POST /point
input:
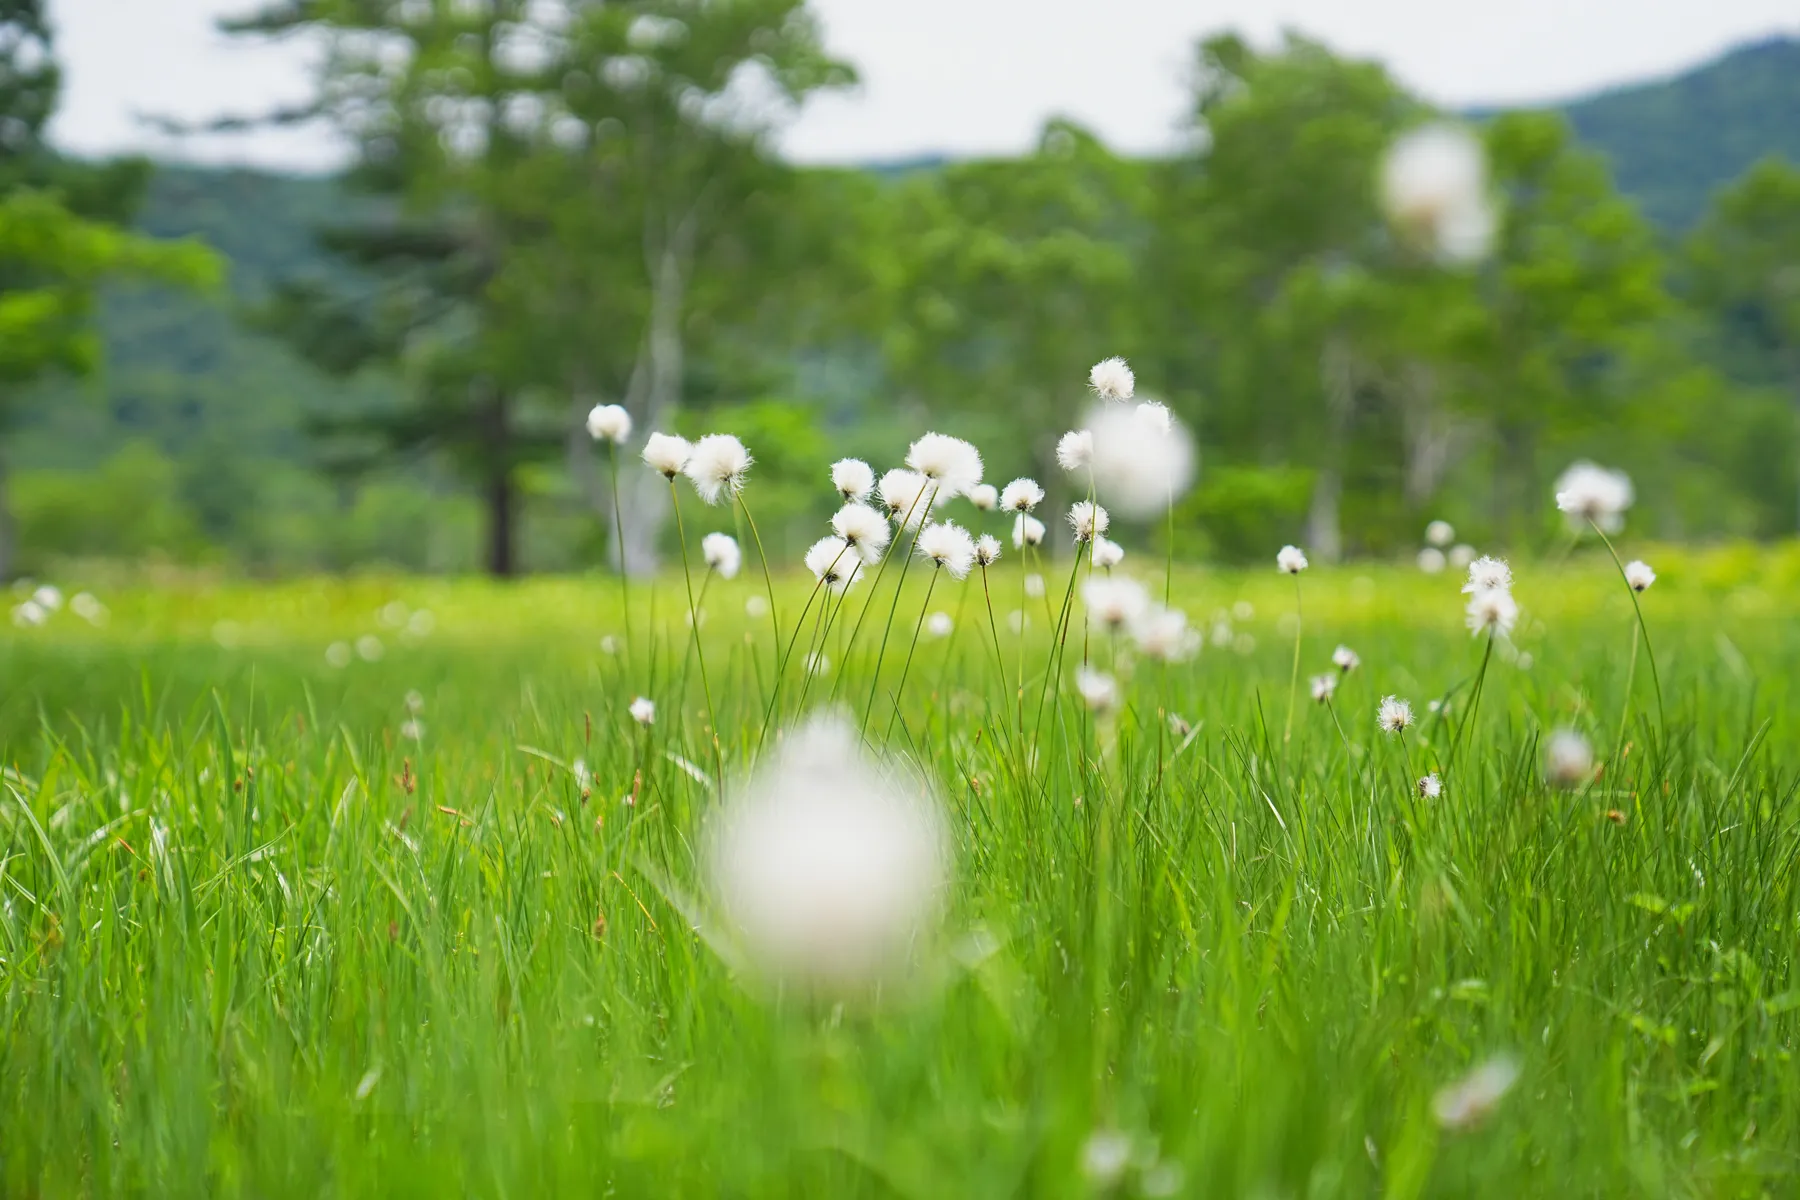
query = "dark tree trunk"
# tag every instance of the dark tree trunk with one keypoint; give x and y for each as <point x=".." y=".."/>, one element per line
<point x="502" y="495"/>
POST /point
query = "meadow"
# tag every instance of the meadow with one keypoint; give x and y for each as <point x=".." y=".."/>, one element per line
<point x="305" y="893"/>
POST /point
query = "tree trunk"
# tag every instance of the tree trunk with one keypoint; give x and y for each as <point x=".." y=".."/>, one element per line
<point x="1431" y="435"/>
<point x="1324" y="519"/>
<point x="502" y="494"/>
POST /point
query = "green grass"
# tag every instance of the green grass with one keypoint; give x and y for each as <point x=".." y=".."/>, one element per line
<point x="257" y="942"/>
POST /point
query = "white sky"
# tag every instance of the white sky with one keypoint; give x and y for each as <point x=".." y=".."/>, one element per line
<point x="955" y="76"/>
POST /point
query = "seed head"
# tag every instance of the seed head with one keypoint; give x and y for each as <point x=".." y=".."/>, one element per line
<point x="643" y="711"/>
<point x="609" y="423"/>
<point x="718" y="467"/>
<point x="1088" y="520"/>
<point x="1492" y="609"/>
<point x="722" y="554"/>
<point x="1489" y="575"/>
<point x="949" y="546"/>
<point x="984" y="497"/>
<point x="987" y="550"/>
<point x="1345" y="659"/>
<point x="834" y="563"/>
<point x="853" y="479"/>
<point x="949" y="462"/>
<point x="866" y="530"/>
<point x="1431" y="787"/>
<point x="1639" y="575"/>
<point x="1291" y="559"/>
<point x="1107" y="554"/>
<point x="1021" y="496"/>
<point x="1027" y="531"/>
<point x="1590" y="493"/>
<point x="1324" y="687"/>
<point x="1075" y="450"/>
<point x="1440" y="534"/>
<point x="1111" y="379"/>
<point x="1394" y="715"/>
<point x="1098" y="690"/>
<point x="667" y="454"/>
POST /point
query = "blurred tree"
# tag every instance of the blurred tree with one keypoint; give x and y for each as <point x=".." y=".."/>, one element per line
<point x="56" y="243"/>
<point x="1745" y="263"/>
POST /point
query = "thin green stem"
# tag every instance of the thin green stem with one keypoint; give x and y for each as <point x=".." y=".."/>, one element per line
<point x="906" y="666"/>
<point x="687" y="574"/>
<point x="1474" y="705"/>
<point x="1287" y="731"/>
<point x="612" y="462"/>
<point x="1662" y="718"/>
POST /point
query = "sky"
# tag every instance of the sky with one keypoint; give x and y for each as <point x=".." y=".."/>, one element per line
<point x="958" y="77"/>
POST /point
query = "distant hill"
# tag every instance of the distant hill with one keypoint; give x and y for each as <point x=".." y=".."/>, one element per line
<point x="1673" y="142"/>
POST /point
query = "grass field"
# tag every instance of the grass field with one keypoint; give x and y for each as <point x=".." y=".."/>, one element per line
<point x="259" y="939"/>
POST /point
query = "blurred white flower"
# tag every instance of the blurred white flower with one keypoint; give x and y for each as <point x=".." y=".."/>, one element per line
<point x="1461" y="555"/>
<point x="1431" y="787"/>
<point x="1162" y="634"/>
<point x="1034" y="585"/>
<point x="1243" y="610"/>
<point x="412" y="730"/>
<point x="987" y="550"/>
<point x="1345" y="659"/>
<point x="609" y="423"/>
<point x="85" y="606"/>
<point x="28" y="613"/>
<point x="853" y="478"/>
<point x="609" y="645"/>
<point x="1107" y="553"/>
<point x="1324" y="687"/>
<point x="1440" y="534"/>
<point x="720" y="550"/>
<point x="415" y="701"/>
<point x="939" y="624"/>
<point x="1021" y="496"/>
<point x="718" y="467"/>
<point x="643" y="711"/>
<point x="1075" y="450"/>
<point x="1114" y="602"/>
<point x="369" y="648"/>
<point x="1473" y="1098"/>
<point x="1141" y="462"/>
<point x="866" y="530"/>
<point x="817" y="664"/>
<point x="1492" y="609"/>
<point x="1568" y="759"/>
<point x="1111" y="379"/>
<point x="421" y="623"/>
<point x="755" y="607"/>
<point x="949" y="462"/>
<point x="1394" y="715"/>
<point x="49" y="597"/>
<point x="1431" y="560"/>
<point x="984" y="497"/>
<point x="1027" y="531"/>
<point x="830" y="864"/>
<point x="1098" y="690"/>
<point x="338" y="655"/>
<point x="667" y="454"/>
<point x="949" y="546"/>
<point x="1639" y="575"/>
<point x="834" y="563"/>
<point x="1104" y="1157"/>
<point x="1088" y="520"/>
<point x="1591" y="493"/>
<point x="1489" y="575"/>
<point x="1434" y="188"/>
<point x="1291" y="559"/>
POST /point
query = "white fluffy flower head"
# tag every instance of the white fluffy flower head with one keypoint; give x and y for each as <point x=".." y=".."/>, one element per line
<point x="1592" y="493"/>
<point x="853" y="478"/>
<point x="949" y="462"/>
<point x="908" y="496"/>
<point x="1394" y="715"/>
<point x="1291" y="559"/>
<point x="1472" y="1099"/>
<point x="939" y="624"/>
<point x="1492" y="610"/>
<point x="866" y="530"/>
<point x="667" y="454"/>
<point x="1021" y="496"/>
<point x="949" y="546"/>
<point x="1324" y="687"/>
<point x="829" y="864"/>
<point x="1107" y="553"/>
<point x="1489" y="575"/>
<point x="1431" y="787"/>
<point x="834" y="563"/>
<point x="1162" y="634"/>
<point x="1027" y="531"/>
<point x="1114" y="603"/>
<point x="1075" y="450"/>
<point x="1142" y="459"/>
<point x="1568" y="759"/>
<point x="987" y="550"/>
<point x="1111" y="379"/>
<point x="1098" y="690"/>
<point x="1440" y="534"/>
<point x="718" y="467"/>
<point x="1639" y="575"/>
<point x="1088" y="520"/>
<point x="643" y="710"/>
<point x="722" y="554"/>
<point x="609" y="423"/>
<point x="985" y="497"/>
<point x="1431" y="560"/>
<point x="1345" y="659"/>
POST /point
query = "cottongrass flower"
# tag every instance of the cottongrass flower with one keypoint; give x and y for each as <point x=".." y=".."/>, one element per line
<point x="1088" y="520"/>
<point x="1431" y="560"/>
<point x="834" y="563"/>
<point x="987" y="550"/>
<point x="1034" y="585"/>
<point x="829" y="864"/>
<point x="1021" y="496"/>
<point x="29" y="613"/>
<point x="1461" y="555"/>
<point x="1492" y="610"/>
<point x="720" y="550"/>
<point x="1111" y="379"/>
<point x="1434" y="189"/>
<point x="1440" y="534"/>
<point x="1431" y="787"/>
<point x="866" y="531"/>
<point x="667" y="454"/>
<point x="338" y="655"/>
<point x="939" y="624"/>
<point x="643" y="710"/>
<point x="609" y="423"/>
<point x="1114" y="603"/>
<point x="1291" y="559"/>
<point x="1075" y="450"/>
<point x="1568" y="759"/>
<point x="908" y="496"/>
<point x="1107" y="553"/>
<point x="949" y="546"/>
<point x="415" y="701"/>
<point x="949" y="462"/>
<point x="984" y="497"/>
<point x="49" y="597"/>
<point x="89" y="609"/>
<point x="1140" y="462"/>
<point x="1105" y="1157"/>
<point x="1162" y="635"/>
<point x="718" y="467"/>
<point x="369" y="648"/>
<point x="1593" y="493"/>
<point x="1639" y="575"/>
<point x="1345" y="659"/>
<point x="1472" y="1099"/>
<point x="853" y="478"/>
<point x="1324" y="687"/>
<point x="1489" y="575"/>
<point x="755" y="607"/>
<point x="1098" y="690"/>
<point x="1027" y="531"/>
<point x="1395" y="715"/>
<point x="413" y="730"/>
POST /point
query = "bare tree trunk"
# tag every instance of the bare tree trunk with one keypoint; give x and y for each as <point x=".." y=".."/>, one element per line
<point x="502" y="493"/>
<point x="1431" y="434"/>
<point x="1324" y="520"/>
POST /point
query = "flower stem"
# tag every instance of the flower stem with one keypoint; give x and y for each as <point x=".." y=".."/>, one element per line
<point x="1662" y="718"/>
<point x="694" y="625"/>
<point x="768" y="581"/>
<point x="906" y="667"/>
<point x="1474" y="704"/>
<point x="612" y="462"/>
<point x="1287" y="732"/>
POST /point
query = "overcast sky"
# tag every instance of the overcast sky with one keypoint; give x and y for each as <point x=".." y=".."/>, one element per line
<point x="956" y="76"/>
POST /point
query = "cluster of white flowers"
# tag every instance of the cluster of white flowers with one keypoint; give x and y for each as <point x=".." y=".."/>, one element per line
<point x="1491" y="608"/>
